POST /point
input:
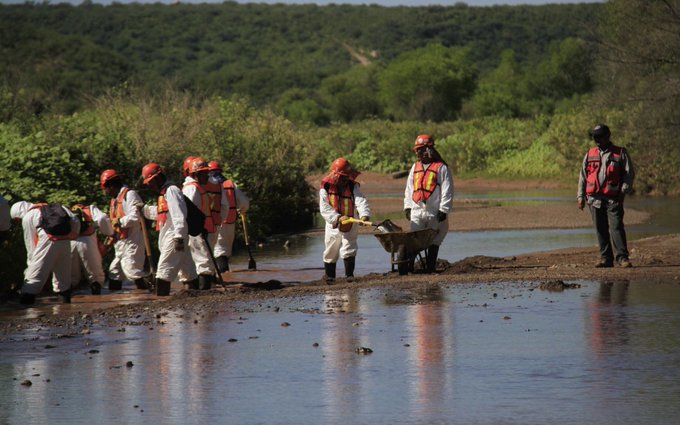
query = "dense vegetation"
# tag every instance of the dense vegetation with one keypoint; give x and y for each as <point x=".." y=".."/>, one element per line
<point x="58" y="54"/>
<point x="276" y="92"/>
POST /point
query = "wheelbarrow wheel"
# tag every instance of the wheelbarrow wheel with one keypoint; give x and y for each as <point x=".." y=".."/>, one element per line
<point x="402" y="260"/>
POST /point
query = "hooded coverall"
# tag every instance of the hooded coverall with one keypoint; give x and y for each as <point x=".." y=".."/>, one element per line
<point x="197" y="246"/>
<point x="85" y="255"/>
<point x="424" y="214"/>
<point x="44" y="255"/>
<point x="172" y="263"/>
<point x="337" y="243"/>
<point x="129" y="252"/>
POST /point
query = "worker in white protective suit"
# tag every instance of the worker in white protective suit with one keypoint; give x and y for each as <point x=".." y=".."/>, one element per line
<point x="200" y="246"/>
<point x="48" y="247"/>
<point x="235" y="201"/>
<point x="340" y="198"/>
<point x="170" y="214"/>
<point x="128" y="262"/>
<point x="428" y="198"/>
<point x="86" y="257"/>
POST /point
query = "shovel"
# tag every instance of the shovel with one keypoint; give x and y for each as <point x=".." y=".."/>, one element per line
<point x="147" y="244"/>
<point x="385" y="226"/>
<point x="218" y="275"/>
<point x="251" y="262"/>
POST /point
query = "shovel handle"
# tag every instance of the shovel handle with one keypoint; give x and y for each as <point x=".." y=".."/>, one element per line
<point x="356" y="220"/>
<point x="244" y="219"/>
<point x="147" y="243"/>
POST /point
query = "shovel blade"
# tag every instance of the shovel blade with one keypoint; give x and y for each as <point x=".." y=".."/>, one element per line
<point x="386" y="226"/>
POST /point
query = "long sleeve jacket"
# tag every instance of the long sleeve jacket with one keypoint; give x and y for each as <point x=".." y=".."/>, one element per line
<point x="440" y="200"/>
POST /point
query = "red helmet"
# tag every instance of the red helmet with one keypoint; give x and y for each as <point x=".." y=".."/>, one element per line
<point x="214" y="166"/>
<point x="150" y="172"/>
<point x="342" y="166"/>
<point x="198" y="164"/>
<point x="107" y="176"/>
<point x="187" y="165"/>
<point x="422" y="141"/>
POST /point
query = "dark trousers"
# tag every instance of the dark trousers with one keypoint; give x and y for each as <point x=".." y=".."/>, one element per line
<point x="608" y="221"/>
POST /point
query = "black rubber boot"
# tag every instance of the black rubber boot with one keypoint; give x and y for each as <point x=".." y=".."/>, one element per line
<point x="115" y="285"/>
<point x="162" y="288"/>
<point x="349" y="268"/>
<point x="141" y="284"/>
<point x="65" y="296"/>
<point x="222" y="263"/>
<point x="205" y="281"/>
<point x="329" y="268"/>
<point x="27" y="299"/>
<point x="96" y="288"/>
<point x="432" y="253"/>
<point x="192" y="284"/>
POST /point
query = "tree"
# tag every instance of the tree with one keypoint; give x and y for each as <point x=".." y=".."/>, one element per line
<point x="640" y="71"/>
<point x="353" y="94"/>
<point x="429" y="83"/>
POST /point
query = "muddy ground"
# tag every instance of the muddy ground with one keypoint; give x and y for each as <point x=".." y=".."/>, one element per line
<point x="655" y="259"/>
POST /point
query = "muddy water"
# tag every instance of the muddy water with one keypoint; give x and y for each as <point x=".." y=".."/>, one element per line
<point x="460" y="354"/>
<point x="299" y="258"/>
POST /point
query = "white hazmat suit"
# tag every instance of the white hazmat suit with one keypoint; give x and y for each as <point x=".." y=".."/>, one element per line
<point x="129" y="252"/>
<point x="424" y="214"/>
<point x="172" y="263"/>
<point x="44" y="255"/>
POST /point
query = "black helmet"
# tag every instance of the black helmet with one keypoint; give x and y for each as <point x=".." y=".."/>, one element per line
<point x="600" y="131"/>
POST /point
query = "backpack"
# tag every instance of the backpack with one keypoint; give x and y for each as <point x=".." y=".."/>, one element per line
<point x="195" y="217"/>
<point x="54" y="220"/>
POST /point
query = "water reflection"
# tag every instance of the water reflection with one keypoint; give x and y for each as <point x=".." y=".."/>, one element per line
<point x="340" y="337"/>
<point x="608" y="323"/>
<point x="432" y="328"/>
<point x="603" y="353"/>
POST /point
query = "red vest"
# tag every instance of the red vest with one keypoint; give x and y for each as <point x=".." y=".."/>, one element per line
<point x="208" y="224"/>
<point x="214" y="191"/>
<point x="230" y="190"/>
<point x="425" y="181"/>
<point x="614" y="173"/>
<point x="116" y="211"/>
<point x="86" y="222"/>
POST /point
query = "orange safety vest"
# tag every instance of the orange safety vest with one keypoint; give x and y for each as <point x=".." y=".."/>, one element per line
<point x="162" y="209"/>
<point x="425" y="181"/>
<point x="215" y="197"/>
<point x="230" y="190"/>
<point x="342" y="202"/>
<point x="208" y="224"/>
<point x="70" y="237"/>
<point x="86" y="222"/>
<point x="116" y="211"/>
<point x="614" y="173"/>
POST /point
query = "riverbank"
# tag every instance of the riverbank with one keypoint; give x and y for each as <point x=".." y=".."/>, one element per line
<point x="385" y="196"/>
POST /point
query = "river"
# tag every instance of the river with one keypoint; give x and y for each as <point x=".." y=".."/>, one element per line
<point x="501" y="353"/>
